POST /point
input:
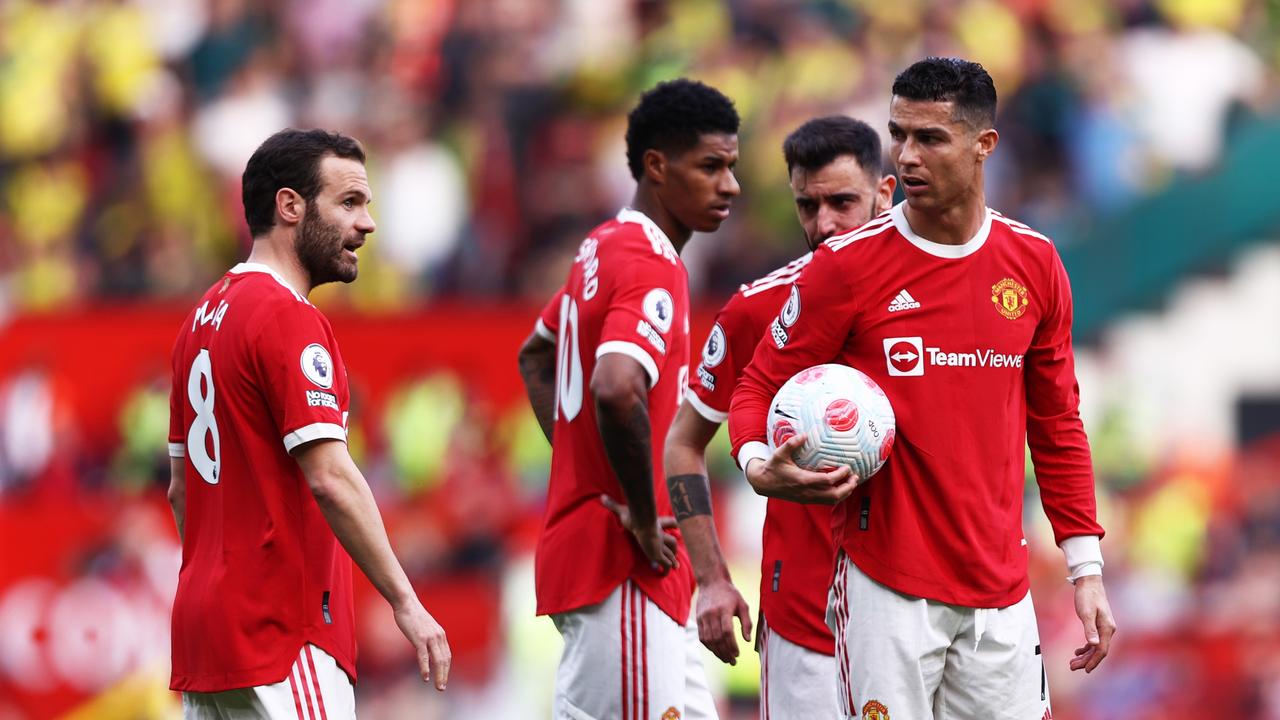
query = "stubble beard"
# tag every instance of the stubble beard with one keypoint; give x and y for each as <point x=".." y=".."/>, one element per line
<point x="320" y="252"/>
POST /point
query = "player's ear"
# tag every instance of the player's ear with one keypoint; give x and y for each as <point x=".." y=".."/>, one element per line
<point x="884" y="193"/>
<point x="290" y="206"/>
<point x="987" y="141"/>
<point x="654" y="163"/>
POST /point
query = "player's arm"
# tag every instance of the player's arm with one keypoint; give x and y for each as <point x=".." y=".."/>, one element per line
<point x="719" y="601"/>
<point x="348" y="505"/>
<point x="538" y="370"/>
<point x="620" y="389"/>
<point x="178" y="493"/>
<point x="812" y="334"/>
<point x="1064" y="468"/>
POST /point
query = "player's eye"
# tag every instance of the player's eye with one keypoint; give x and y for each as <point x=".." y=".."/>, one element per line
<point x="348" y="203"/>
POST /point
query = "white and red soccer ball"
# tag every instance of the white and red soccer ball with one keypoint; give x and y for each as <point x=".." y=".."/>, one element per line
<point x="845" y="417"/>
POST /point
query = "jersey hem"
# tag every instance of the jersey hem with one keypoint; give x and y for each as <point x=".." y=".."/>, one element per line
<point x="927" y="590"/>
<point x="568" y="606"/>
<point x="276" y="671"/>
<point x="797" y="638"/>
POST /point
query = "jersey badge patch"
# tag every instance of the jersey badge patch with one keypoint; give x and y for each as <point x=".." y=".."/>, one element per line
<point x="317" y="365"/>
<point x="1010" y="298"/>
<point x="875" y="710"/>
<point x="647" y="332"/>
<point x="660" y="309"/>
<point x="671" y="714"/>
<point x="791" y="310"/>
<point x="714" y="351"/>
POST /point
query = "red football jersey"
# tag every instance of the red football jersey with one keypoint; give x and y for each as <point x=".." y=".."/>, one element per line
<point x="798" y="549"/>
<point x="627" y="293"/>
<point x="256" y="372"/>
<point x="972" y="344"/>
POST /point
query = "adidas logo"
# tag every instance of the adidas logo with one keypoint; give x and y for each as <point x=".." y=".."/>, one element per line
<point x="903" y="301"/>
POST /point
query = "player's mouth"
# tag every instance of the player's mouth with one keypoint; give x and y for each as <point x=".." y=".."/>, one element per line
<point x="349" y="249"/>
<point x="721" y="212"/>
<point x="912" y="185"/>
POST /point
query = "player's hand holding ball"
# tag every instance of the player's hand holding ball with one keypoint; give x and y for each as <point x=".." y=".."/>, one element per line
<point x="658" y="544"/>
<point x="830" y="428"/>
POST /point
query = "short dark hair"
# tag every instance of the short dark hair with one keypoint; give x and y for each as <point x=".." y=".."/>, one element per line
<point x="671" y="118"/>
<point x="962" y="82"/>
<point x="818" y="142"/>
<point x="289" y="159"/>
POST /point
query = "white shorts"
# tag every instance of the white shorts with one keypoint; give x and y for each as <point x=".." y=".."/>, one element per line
<point x="316" y="689"/>
<point x="795" y="682"/>
<point x="907" y="657"/>
<point x="625" y="659"/>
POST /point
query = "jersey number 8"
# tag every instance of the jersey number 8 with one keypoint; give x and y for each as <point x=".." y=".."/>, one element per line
<point x="201" y="394"/>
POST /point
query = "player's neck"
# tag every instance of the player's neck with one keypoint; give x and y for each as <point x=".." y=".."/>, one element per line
<point x="270" y="251"/>
<point x="954" y="225"/>
<point x="646" y="201"/>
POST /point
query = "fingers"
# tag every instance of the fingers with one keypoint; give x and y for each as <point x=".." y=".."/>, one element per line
<point x="666" y="522"/>
<point x="786" y="449"/>
<point x="744" y="616"/>
<point x="1106" y="629"/>
<point x="612" y="504"/>
<point x="441" y="661"/>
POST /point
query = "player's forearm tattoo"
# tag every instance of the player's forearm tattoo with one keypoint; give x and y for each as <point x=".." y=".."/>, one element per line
<point x="539" y="372"/>
<point x="690" y="495"/>
<point x="627" y="443"/>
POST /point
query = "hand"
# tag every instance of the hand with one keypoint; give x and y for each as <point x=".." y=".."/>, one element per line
<point x="658" y="544"/>
<point x="428" y="640"/>
<point x="780" y="477"/>
<point x="1095" y="614"/>
<point x="718" y="603"/>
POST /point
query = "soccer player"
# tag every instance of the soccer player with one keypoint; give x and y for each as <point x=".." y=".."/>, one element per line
<point x="605" y="369"/>
<point x="963" y="317"/>
<point x="834" y="164"/>
<point x="264" y="492"/>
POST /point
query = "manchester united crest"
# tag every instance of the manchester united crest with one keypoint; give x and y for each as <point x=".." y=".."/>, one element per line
<point x="875" y="710"/>
<point x="671" y="714"/>
<point x="1010" y="298"/>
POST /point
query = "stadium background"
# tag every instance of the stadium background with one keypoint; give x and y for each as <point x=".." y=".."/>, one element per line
<point x="1140" y="134"/>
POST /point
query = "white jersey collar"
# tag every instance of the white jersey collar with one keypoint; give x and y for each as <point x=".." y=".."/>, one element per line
<point x="251" y="267"/>
<point x="651" y="228"/>
<point x="952" y="252"/>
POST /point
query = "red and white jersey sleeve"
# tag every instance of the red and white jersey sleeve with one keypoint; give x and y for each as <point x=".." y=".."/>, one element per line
<point x="548" y="322"/>
<point x="300" y="368"/>
<point x="643" y="318"/>
<point x="809" y="329"/>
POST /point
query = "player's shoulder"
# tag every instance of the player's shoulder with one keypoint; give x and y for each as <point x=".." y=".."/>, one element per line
<point x="863" y="236"/>
<point x="766" y="291"/>
<point x="1019" y="231"/>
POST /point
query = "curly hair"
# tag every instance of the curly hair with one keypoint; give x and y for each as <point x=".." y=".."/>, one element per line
<point x="818" y="142"/>
<point x="962" y="82"/>
<point x="671" y="118"/>
<point x="289" y="159"/>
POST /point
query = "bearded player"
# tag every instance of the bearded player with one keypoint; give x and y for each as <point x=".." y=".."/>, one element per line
<point x="963" y="317"/>
<point x="269" y="505"/>
<point x="605" y="370"/>
<point x="834" y="166"/>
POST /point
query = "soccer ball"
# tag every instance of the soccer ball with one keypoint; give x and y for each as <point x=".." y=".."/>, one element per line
<point x="845" y="417"/>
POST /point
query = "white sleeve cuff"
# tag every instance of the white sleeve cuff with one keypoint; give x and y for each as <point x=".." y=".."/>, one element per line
<point x="314" y="431"/>
<point x="633" y="351"/>
<point x="1084" y="556"/>
<point x="177" y="450"/>
<point x="751" y="451"/>
<point x="541" y="330"/>
<point x="705" y="410"/>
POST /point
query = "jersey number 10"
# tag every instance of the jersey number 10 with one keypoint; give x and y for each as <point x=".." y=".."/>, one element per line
<point x="200" y="392"/>
<point x="568" y="363"/>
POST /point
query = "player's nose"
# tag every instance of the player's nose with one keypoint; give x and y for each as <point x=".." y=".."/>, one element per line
<point x="729" y="186"/>
<point x="365" y="223"/>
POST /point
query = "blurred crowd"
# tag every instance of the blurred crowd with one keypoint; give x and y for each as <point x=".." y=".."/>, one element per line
<point x="495" y="127"/>
<point x="495" y="138"/>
